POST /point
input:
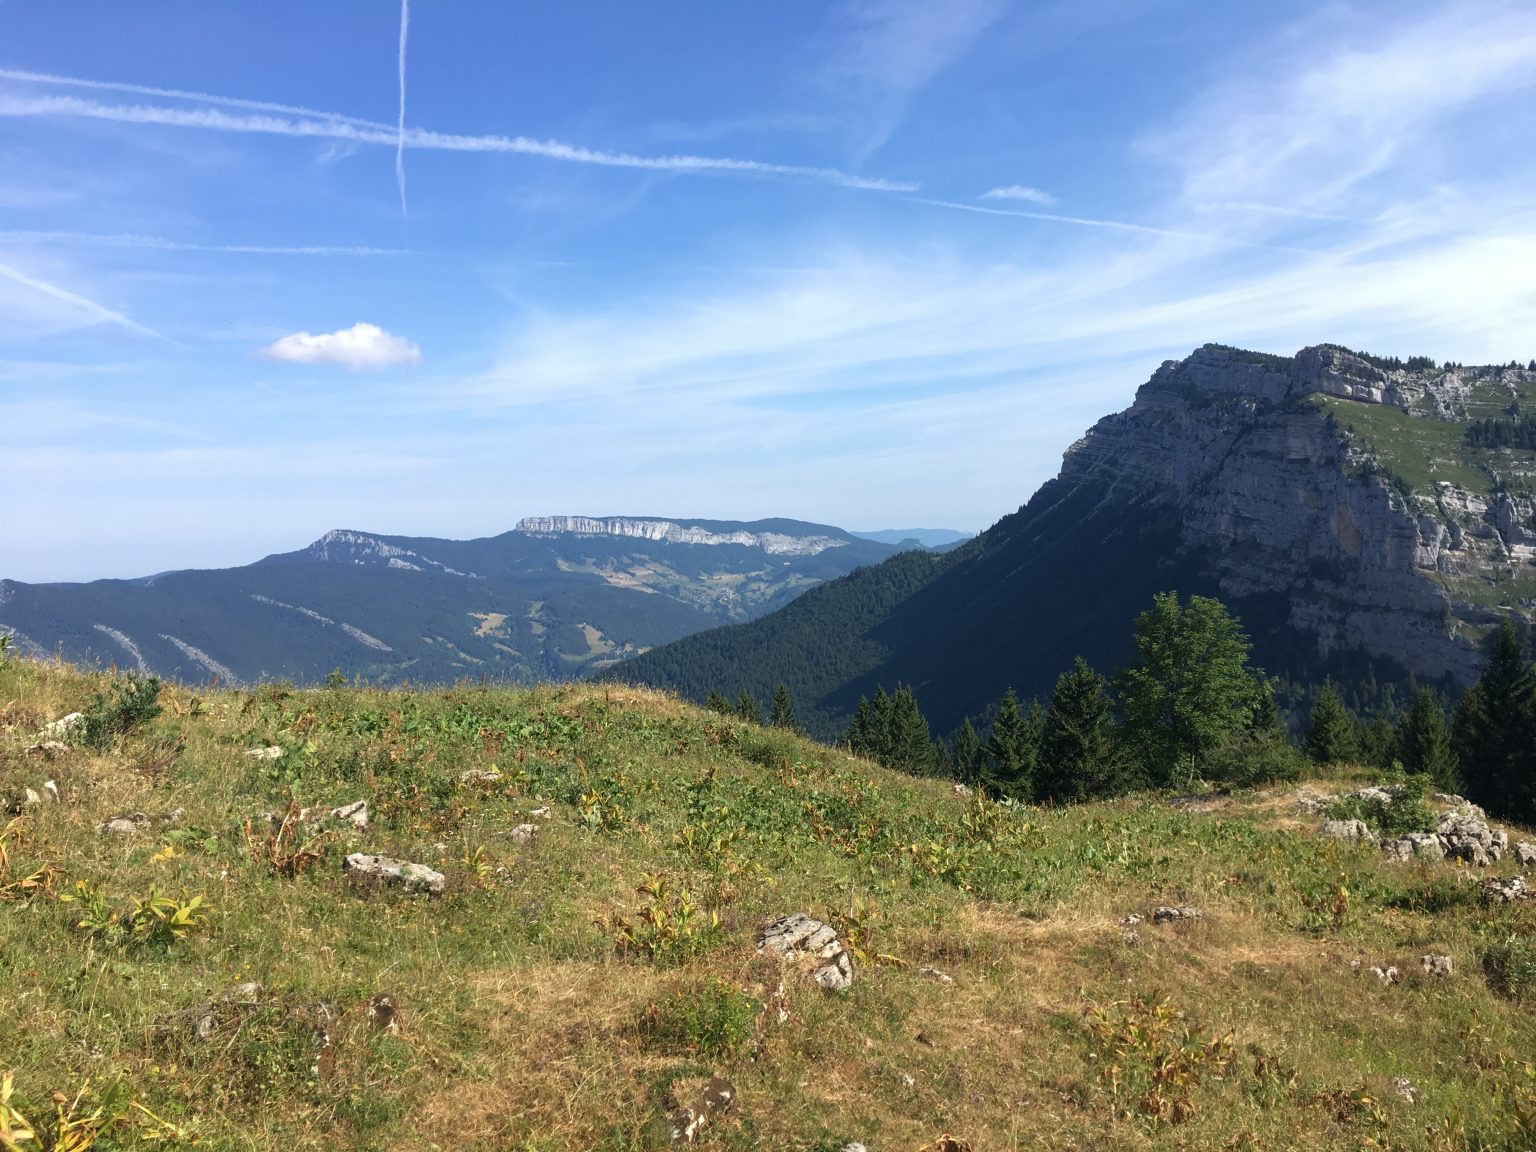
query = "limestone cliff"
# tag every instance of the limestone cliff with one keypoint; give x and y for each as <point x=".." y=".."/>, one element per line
<point x="774" y="543"/>
<point x="1344" y="483"/>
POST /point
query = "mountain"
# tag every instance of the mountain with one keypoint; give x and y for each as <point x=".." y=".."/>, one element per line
<point x="1354" y="511"/>
<point x="554" y="598"/>
<point x="927" y="537"/>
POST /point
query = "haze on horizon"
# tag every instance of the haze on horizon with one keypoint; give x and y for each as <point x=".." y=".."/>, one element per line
<point x="268" y="270"/>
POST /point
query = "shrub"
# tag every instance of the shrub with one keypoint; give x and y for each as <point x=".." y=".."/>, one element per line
<point x="134" y="701"/>
<point x="1406" y="812"/>
<point x="1509" y="966"/>
<point x="714" y="1021"/>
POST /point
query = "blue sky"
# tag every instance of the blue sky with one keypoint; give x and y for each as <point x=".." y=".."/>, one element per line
<point x="873" y="263"/>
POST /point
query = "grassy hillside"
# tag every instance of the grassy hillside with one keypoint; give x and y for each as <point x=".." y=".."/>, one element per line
<point x="563" y="992"/>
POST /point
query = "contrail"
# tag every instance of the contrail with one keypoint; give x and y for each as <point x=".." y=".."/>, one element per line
<point x="95" y="309"/>
<point x="130" y="240"/>
<point x="329" y="127"/>
<point x="405" y="22"/>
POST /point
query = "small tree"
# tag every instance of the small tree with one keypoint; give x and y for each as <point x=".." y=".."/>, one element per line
<point x="1079" y="742"/>
<point x="911" y="743"/>
<point x="746" y="708"/>
<point x="1422" y="741"/>
<point x="1495" y="731"/>
<point x="1330" y="735"/>
<point x="1189" y="685"/>
<point x="968" y="753"/>
<point x="1011" y="751"/>
<point x="781" y="713"/>
<point x="718" y="703"/>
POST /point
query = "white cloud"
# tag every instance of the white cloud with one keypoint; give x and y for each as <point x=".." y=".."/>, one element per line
<point x="360" y="347"/>
<point x="1019" y="192"/>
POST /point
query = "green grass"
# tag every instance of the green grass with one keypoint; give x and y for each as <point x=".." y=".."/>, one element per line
<point x="1422" y="451"/>
<point x="559" y="996"/>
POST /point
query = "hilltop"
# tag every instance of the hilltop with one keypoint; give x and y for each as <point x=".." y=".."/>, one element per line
<point x="552" y="599"/>
<point x="1370" y="519"/>
<point x="608" y="857"/>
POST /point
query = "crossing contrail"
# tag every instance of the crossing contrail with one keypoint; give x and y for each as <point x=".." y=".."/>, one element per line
<point x="405" y="23"/>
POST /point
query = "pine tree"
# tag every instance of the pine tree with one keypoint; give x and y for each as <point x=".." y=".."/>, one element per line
<point x="858" y="735"/>
<point x="911" y="745"/>
<point x="968" y="753"/>
<point x="718" y="703"/>
<point x="1422" y="741"/>
<point x="781" y="713"/>
<point x="746" y="708"/>
<point x="1079" y="742"/>
<point x="1011" y="753"/>
<point x="1495" y="731"/>
<point x="1330" y="735"/>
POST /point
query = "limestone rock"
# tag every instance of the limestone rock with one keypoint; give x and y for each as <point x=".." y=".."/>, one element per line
<point x="935" y="975"/>
<point x="1405" y="1089"/>
<point x="48" y="748"/>
<point x="64" y="725"/>
<point x="1356" y="830"/>
<point x="1468" y="838"/>
<point x="689" y="1120"/>
<point x="274" y="752"/>
<point x="1525" y="854"/>
<point x="1432" y="965"/>
<point x="1169" y="914"/>
<point x="798" y="937"/>
<point x="1387" y="975"/>
<point x="384" y="1013"/>
<point x="387" y="870"/>
<point x="480" y="776"/>
<point x="524" y="833"/>
<point x="1497" y="891"/>
<point x="355" y="814"/>
<point x="543" y="813"/>
<point x="132" y="823"/>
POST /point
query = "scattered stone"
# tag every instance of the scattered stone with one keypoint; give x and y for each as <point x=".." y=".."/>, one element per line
<point x="691" y="1118"/>
<point x="383" y="1013"/>
<point x="1496" y="891"/>
<point x="960" y="789"/>
<point x="387" y="870"/>
<point x="1433" y="965"/>
<point x="524" y="833"/>
<point x="64" y="725"/>
<point x="48" y="748"/>
<point x="132" y="823"/>
<point x="1525" y="854"/>
<point x="937" y="976"/>
<point x="274" y="752"/>
<point x="1415" y="845"/>
<point x="1131" y="936"/>
<point x="1470" y="839"/>
<point x="908" y="1080"/>
<point x="355" y="814"/>
<point x="854" y="1147"/>
<point x="1168" y="914"/>
<point x="543" y="813"/>
<point x="1387" y="975"/>
<point x="795" y="937"/>
<point x="1405" y="1089"/>
<point x="1451" y="800"/>
<point x="1131" y="920"/>
<point x="480" y="776"/>
<point x="1312" y="802"/>
<point x="1355" y="830"/>
<point x="1374" y="793"/>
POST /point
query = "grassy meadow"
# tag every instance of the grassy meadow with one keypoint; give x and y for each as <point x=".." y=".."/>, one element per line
<point x="569" y="989"/>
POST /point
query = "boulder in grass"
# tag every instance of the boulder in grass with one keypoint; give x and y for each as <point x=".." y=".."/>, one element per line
<point x="1355" y="830"/>
<point x="798" y="937"/>
<point x="387" y="870"/>
<point x="1525" y="854"/>
<point x="690" y="1119"/>
<point x="1169" y="914"/>
<point x="1432" y="965"/>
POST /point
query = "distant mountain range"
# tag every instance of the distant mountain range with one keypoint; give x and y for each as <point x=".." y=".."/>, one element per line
<point x="1367" y="518"/>
<point x="935" y="538"/>
<point x="554" y="598"/>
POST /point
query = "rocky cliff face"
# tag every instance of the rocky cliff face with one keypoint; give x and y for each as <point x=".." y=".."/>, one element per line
<point x="1342" y="482"/>
<point x="340" y="546"/>
<point x="774" y="543"/>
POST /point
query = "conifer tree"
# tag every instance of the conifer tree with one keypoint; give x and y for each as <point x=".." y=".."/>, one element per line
<point x="1011" y="752"/>
<point x="781" y="713"/>
<point x="1079" y="754"/>
<point x="1495" y="731"/>
<point x="911" y="745"/>
<point x="1330" y="735"/>
<point x="1422" y="741"/>
<point x="968" y="753"/>
<point x="718" y="703"/>
<point x="746" y="708"/>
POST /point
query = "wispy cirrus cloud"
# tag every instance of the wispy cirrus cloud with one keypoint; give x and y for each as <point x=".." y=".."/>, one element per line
<point x="1019" y="192"/>
<point x="327" y="127"/>
<point x="97" y="313"/>
<point x="161" y="243"/>
<point x="362" y="347"/>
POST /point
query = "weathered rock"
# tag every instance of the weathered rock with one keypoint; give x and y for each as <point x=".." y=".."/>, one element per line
<point x="480" y="776"/>
<point x="1497" y="891"/>
<point x="1312" y="802"/>
<point x="524" y="833"/>
<point x="355" y="814"/>
<point x="272" y="753"/>
<point x="132" y="823"/>
<point x="1405" y="1090"/>
<point x="1130" y="920"/>
<point x="1356" y="830"/>
<point x="1525" y="854"/>
<point x="960" y="789"/>
<point x="854" y="1147"/>
<point x="1468" y="838"/>
<point x="64" y="725"/>
<point x="387" y="870"/>
<point x="690" y="1119"/>
<point x="1375" y="793"/>
<point x="543" y="813"/>
<point x="1432" y="965"/>
<point x="1168" y="914"/>
<point x="384" y="1013"/>
<point x="797" y="937"/>
<point x="48" y="748"/>
<point x="935" y="975"/>
<point x="1387" y="975"/>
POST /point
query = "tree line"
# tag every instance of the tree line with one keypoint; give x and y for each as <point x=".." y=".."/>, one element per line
<point x="1189" y="707"/>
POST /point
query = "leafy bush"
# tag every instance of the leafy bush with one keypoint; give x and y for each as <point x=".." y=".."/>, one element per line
<point x="1253" y="759"/>
<point x="134" y="701"/>
<point x="1406" y="812"/>
<point x="1509" y="966"/>
<point x="155" y="922"/>
<point x="715" y="1021"/>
